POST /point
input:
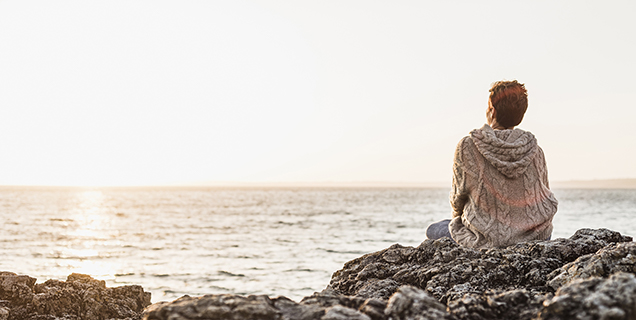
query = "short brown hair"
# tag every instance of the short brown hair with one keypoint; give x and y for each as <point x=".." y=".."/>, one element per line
<point x="510" y="99"/>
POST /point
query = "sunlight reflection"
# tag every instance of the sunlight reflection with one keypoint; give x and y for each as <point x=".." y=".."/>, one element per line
<point x="89" y="239"/>
<point x="90" y="217"/>
<point x="97" y="269"/>
<point x="80" y="254"/>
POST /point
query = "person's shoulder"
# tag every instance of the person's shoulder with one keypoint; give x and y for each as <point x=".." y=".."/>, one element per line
<point x="468" y="142"/>
<point x="465" y="149"/>
<point x="540" y="154"/>
<point x="465" y="142"/>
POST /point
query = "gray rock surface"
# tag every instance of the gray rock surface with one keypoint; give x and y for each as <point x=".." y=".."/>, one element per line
<point x="611" y="259"/>
<point x="594" y="298"/>
<point x="79" y="297"/>
<point x="322" y="306"/>
<point x="446" y="269"/>
<point x="411" y="303"/>
<point x="591" y="275"/>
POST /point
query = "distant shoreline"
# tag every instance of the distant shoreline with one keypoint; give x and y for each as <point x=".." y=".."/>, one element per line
<point x="595" y="184"/>
<point x="570" y="184"/>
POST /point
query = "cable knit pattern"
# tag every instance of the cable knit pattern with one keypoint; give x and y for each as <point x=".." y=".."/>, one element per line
<point x="500" y="193"/>
<point x="510" y="151"/>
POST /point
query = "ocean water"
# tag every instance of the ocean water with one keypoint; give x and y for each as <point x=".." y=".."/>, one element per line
<point x="275" y="241"/>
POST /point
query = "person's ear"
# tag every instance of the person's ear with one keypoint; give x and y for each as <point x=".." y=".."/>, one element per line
<point x="491" y="113"/>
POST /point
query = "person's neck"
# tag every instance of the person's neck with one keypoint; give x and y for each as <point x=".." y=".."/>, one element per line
<point x="497" y="126"/>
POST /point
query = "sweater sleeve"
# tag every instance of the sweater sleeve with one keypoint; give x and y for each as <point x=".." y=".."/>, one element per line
<point x="459" y="193"/>
<point x="543" y="168"/>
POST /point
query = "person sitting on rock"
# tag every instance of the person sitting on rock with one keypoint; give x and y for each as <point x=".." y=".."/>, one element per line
<point x="500" y="193"/>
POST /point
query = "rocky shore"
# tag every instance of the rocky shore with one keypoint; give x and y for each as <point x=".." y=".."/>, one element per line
<point x="591" y="275"/>
<point x="79" y="297"/>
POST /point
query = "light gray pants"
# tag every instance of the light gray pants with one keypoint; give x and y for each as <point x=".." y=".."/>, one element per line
<point x="439" y="230"/>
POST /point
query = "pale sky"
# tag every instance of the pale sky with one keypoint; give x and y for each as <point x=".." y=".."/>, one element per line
<point x="162" y="92"/>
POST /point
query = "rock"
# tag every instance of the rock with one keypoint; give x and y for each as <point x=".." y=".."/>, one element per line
<point x="320" y="306"/>
<point x="439" y="266"/>
<point x="514" y="304"/>
<point x="611" y="259"/>
<point x="79" y="297"/>
<point x="374" y="308"/>
<point x="410" y="303"/>
<point x="291" y="310"/>
<point x="222" y="306"/>
<point x="16" y="288"/>
<point x="588" y="276"/>
<point x="343" y="313"/>
<point x="594" y="298"/>
<point x="501" y="283"/>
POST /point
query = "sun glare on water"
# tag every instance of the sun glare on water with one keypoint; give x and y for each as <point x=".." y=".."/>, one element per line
<point x="90" y="215"/>
<point x="89" y="237"/>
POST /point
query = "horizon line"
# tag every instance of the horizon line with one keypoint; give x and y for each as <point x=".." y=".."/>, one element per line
<point x="624" y="183"/>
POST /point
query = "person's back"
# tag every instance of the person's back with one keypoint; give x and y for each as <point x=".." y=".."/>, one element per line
<point x="500" y="194"/>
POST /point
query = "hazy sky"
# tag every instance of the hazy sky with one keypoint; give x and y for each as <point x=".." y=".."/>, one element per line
<point x="154" y="92"/>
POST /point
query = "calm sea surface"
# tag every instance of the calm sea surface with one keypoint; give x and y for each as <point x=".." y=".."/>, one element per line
<point x="275" y="241"/>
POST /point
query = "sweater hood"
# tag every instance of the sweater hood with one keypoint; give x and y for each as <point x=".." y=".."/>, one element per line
<point x="510" y="151"/>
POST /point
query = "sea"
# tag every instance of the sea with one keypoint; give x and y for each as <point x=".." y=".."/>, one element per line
<point x="177" y="241"/>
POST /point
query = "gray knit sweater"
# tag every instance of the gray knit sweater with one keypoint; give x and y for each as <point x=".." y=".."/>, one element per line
<point x="500" y="193"/>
